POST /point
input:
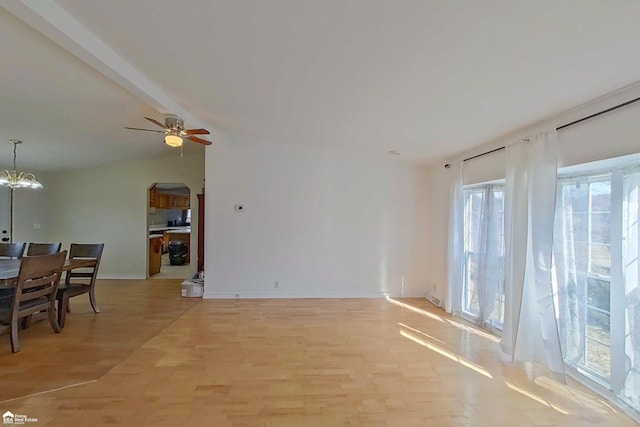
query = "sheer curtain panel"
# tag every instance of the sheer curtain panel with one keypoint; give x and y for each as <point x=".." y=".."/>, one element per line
<point x="456" y="241"/>
<point x="530" y="332"/>
<point x="630" y="392"/>
<point x="483" y="286"/>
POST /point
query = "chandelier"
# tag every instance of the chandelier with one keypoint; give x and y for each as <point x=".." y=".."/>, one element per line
<point x="15" y="179"/>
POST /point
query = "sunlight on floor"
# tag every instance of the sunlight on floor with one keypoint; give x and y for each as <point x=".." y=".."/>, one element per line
<point x="415" y="309"/>
<point x="536" y="397"/>
<point x="446" y="353"/>
<point x="474" y="331"/>
<point x="421" y="333"/>
<point x="576" y="396"/>
<point x="436" y="345"/>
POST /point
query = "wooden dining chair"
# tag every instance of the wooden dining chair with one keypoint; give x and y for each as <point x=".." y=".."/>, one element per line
<point x="35" y="291"/>
<point x="12" y="250"/>
<point x="80" y="281"/>
<point x="43" y="248"/>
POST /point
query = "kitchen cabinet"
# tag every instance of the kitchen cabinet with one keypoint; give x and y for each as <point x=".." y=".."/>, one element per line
<point x="186" y="202"/>
<point x="165" y="238"/>
<point x="162" y="201"/>
<point x="168" y="201"/>
<point x="174" y="201"/>
<point x="179" y="201"/>
<point x="153" y="193"/>
<point x="155" y="254"/>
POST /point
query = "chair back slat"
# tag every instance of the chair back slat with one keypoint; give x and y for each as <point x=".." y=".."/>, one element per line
<point x="43" y="248"/>
<point x="12" y="250"/>
<point x="36" y="283"/>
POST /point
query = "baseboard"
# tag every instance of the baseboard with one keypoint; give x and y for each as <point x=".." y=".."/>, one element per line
<point x="301" y="295"/>
<point x="121" y="276"/>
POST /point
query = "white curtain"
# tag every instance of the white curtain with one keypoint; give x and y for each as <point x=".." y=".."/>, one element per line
<point x="631" y="276"/>
<point x="456" y="242"/>
<point x="530" y="332"/>
<point x="484" y="253"/>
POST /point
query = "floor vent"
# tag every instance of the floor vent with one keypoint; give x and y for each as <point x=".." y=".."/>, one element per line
<point x="434" y="300"/>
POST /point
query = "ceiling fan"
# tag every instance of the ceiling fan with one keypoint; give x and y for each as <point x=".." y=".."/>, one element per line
<point x="174" y="131"/>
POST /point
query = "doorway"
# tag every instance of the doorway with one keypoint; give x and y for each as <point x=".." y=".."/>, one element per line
<point x="169" y="226"/>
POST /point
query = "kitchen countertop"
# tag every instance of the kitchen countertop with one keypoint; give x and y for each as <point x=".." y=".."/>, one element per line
<point x="185" y="230"/>
<point x="166" y="228"/>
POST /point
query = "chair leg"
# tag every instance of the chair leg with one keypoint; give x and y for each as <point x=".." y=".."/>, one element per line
<point x="26" y="321"/>
<point x="15" y="345"/>
<point x="63" y="303"/>
<point x="52" y="319"/>
<point x="92" y="299"/>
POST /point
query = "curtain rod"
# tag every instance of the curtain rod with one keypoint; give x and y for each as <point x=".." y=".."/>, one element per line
<point x="575" y="122"/>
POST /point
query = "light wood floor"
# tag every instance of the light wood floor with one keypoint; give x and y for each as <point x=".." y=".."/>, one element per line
<point x="153" y="358"/>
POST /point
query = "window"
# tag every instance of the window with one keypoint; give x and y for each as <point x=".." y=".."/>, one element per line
<point x="583" y="232"/>
<point x="596" y="254"/>
<point x="483" y="287"/>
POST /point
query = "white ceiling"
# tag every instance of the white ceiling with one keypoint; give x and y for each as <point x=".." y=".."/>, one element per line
<point x="425" y="78"/>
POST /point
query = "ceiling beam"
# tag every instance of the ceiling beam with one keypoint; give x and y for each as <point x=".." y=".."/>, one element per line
<point x="48" y="18"/>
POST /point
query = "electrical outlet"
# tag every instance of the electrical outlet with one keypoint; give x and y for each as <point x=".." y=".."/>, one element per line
<point x="237" y="295"/>
<point x="276" y="284"/>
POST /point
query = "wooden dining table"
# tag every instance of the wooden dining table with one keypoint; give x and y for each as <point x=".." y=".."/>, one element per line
<point x="10" y="268"/>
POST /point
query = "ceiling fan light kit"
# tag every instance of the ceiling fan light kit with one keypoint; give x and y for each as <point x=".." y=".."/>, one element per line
<point x="174" y="131"/>
<point x="173" y="140"/>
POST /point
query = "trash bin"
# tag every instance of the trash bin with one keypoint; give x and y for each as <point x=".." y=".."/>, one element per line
<point x="178" y="252"/>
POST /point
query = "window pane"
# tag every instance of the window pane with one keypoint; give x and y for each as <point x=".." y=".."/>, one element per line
<point x="601" y="228"/>
<point x="470" y="303"/>
<point x="600" y="259"/>
<point x="598" y="294"/>
<point x="598" y="358"/>
<point x="578" y="195"/>
<point x="598" y="325"/>
<point x="601" y="196"/>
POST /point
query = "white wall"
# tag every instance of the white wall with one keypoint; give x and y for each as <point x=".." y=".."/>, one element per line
<point x="30" y="207"/>
<point x="611" y="135"/>
<point x="110" y="203"/>
<point x="321" y="223"/>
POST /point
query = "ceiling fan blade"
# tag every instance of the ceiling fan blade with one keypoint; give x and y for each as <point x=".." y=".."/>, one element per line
<point x="197" y="132"/>
<point x="148" y="130"/>
<point x="198" y="140"/>
<point x="155" y="122"/>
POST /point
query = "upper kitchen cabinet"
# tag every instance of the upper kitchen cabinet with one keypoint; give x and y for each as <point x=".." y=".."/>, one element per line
<point x="179" y="201"/>
<point x="153" y="197"/>
<point x="160" y="200"/>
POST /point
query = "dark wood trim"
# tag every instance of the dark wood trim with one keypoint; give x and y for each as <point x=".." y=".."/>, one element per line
<point x="201" y="232"/>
